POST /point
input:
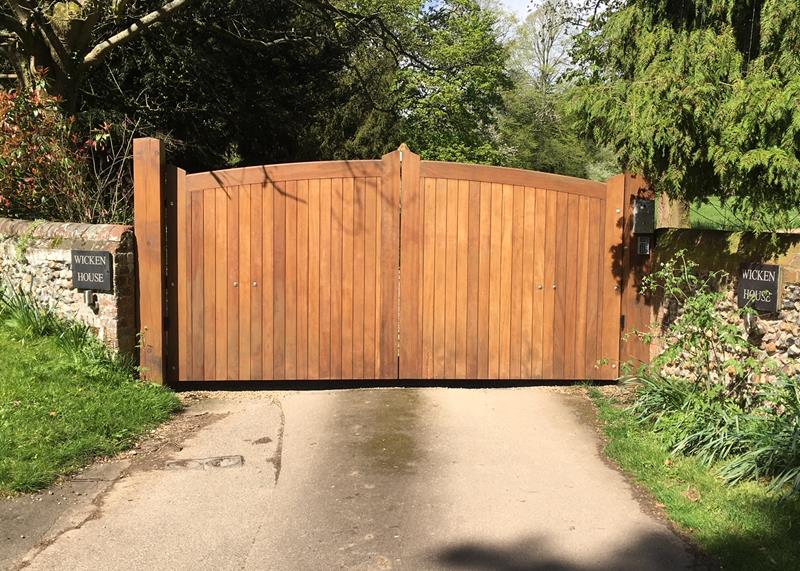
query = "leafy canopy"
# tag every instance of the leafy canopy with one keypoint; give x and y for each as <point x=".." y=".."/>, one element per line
<point x="701" y="97"/>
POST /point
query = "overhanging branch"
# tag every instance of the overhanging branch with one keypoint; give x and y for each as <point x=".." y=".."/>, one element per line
<point x="154" y="18"/>
<point x="251" y="42"/>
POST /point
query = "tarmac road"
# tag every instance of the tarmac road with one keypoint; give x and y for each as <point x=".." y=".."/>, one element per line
<point x="432" y="478"/>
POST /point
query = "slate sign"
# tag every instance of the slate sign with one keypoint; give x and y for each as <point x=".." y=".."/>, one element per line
<point x="759" y="287"/>
<point x="91" y="270"/>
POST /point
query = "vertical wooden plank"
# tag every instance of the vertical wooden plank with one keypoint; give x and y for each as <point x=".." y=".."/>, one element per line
<point x="594" y="285"/>
<point x="390" y="257"/>
<point x="256" y="284"/>
<point x="338" y="236"/>
<point x="428" y="273"/>
<point x="440" y="276"/>
<point x="562" y="228"/>
<point x="325" y="256"/>
<point x="232" y="197"/>
<point x="221" y="278"/>
<point x="183" y="250"/>
<point x="348" y="209"/>
<point x="612" y="270"/>
<point x="380" y="269"/>
<point x="313" y="278"/>
<point x="411" y="227"/>
<point x="245" y="287"/>
<point x="268" y="279"/>
<point x="495" y="289"/>
<point x="539" y="282"/>
<point x="549" y="306"/>
<point x="570" y="288"/>
<point x="370" y="272"/>
<point x="279" y="265"/>
<point x="302" y="279"/>
<point x="461" y="280"/>
<point x="484" y="279"/>
<point x="473" y="276"/>
<point x="358" y="278"/>
<point x="196" y="290"/>
<point x="290" y="350"/>
<point x="527" y="291"/>
<point x="451" y="275"/>
<point x="209" y="295"/>
<point x="582" y="261"/>
<point x="506" y="258"/>
<point x="517" y="269"/>
<point x="148" y="200"/>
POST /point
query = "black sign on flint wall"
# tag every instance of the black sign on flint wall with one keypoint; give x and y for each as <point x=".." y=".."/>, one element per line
<point x="91" y="270"/>
<point x="759" y="287"/>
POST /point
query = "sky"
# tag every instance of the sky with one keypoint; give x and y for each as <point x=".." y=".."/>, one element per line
<point x="518" y="7"/>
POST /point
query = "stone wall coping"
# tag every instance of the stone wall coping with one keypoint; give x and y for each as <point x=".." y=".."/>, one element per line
<point x="69" y="235"/>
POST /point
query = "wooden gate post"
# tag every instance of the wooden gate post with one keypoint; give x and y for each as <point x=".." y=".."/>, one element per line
<point x="148" y="223"/>
<point x="636" y="306"/>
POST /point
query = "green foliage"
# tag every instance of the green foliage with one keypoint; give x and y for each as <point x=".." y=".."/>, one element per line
<point x="772" y="441"/>
<point x="329" y="89"/>
<point x="537" y="135"/>
<point x="714" y="214"/>
<point x="743" y="525"/>
<point x="450" y="103"/>
<point x="726" y="413"/>
<point x="536" y="129"/>
<point x="41" y="171"/>
<point x="701" y="97"/>
<point x="64" y="397"/>
<point x="711" y="341"/>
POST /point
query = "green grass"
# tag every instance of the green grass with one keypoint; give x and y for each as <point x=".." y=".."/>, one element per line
<point x="714" y="215"/>
<point x="64" y="399"/>
<point x="744" y="526"/>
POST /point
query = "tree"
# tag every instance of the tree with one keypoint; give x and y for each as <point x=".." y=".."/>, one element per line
<point x="701" y="97"/>
<point x="449" y="103"/>
<point x="536" y="127"/>
<point x="71" y="38"/>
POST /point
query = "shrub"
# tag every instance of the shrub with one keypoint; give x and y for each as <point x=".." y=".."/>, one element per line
<point x="42" y="168"/>
<point x="49" y="171"/>
<point x="724" y="413"/>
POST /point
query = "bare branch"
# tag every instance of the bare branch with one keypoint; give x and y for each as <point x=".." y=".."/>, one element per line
<point x="154" y="18"/>
<point x="252" y="42"/>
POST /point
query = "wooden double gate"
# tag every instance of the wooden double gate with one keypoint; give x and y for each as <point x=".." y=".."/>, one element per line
<point x="386" y="269"/>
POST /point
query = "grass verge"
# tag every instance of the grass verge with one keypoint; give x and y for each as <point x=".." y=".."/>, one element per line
<point x="716" y="215"/>
<point x="64" y="399"/>
<point x="744" y="526"/>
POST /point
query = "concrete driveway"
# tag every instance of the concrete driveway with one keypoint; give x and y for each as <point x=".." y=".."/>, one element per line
<point x="438" y="478"/>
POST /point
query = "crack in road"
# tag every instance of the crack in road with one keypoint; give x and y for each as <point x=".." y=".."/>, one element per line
<point x="275" y="459"/>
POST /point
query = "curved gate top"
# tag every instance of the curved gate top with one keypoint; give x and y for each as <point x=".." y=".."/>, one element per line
<point x="387" y="269"/>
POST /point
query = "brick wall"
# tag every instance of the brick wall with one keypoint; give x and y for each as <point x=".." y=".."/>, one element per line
<point x="36" y="256"/>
